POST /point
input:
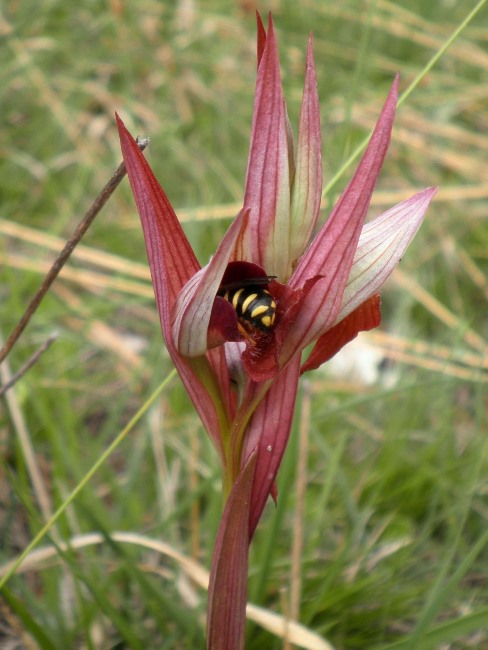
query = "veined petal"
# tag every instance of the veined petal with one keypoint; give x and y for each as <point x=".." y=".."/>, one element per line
<point x="363" y="318"/>
<point x="382" y="244"/>
<point x="173" y="263"/>
<point x="171" y="257"/>
<point x="332" y="251"/>
<point x="267" y="192"/>
<point x="306" y="190"/>
<point x="193" y="308"/>
<point x="261" y="42"/>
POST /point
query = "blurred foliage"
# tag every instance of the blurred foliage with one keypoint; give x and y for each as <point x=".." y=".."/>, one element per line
<point x="394" y="518"/>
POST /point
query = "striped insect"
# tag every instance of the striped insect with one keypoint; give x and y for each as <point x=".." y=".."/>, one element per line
<point x="255" y="306"/>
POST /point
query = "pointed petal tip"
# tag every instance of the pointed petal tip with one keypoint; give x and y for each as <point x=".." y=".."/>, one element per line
<point x="118" y="119"/>
<point x="395" y="86"/>
<point x="271" y="30"/>
<point x="124" y="133"/>
<point x="120" y="124"/>
<point x="259" y="22"/>
<point x="309" y="56"/>
<point x="426" y="194"/>
<point x="261" y="37"/>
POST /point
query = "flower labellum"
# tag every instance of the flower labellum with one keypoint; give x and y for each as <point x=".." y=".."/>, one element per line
<point x="236" y="328"/>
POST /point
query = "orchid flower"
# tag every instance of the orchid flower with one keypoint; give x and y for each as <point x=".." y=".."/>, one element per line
<point x="324" y="287"/>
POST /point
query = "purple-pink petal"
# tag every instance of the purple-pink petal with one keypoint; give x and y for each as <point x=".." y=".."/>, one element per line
<point x="171" y="257"/>
<point x="363" y="318"/>
<point x="173" y="263"/>
<point x="193" y="308"/>
<point x="306" y="190"/>
<point x="332" y="251"/>
<point x="267" y="192"/>
<point x="381" y="245"/>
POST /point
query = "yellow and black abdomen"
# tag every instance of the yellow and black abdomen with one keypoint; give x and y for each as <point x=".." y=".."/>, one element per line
<point x="254" y="305"/>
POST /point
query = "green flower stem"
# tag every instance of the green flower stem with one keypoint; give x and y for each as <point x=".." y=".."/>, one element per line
<point x="239" y="427"/>
<point x="206" y="375"/>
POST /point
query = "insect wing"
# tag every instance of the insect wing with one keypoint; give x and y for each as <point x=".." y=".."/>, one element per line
<point x="248" y="282"/>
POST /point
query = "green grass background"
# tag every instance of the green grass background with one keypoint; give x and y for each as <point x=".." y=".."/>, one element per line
<point x="393" y="522"/>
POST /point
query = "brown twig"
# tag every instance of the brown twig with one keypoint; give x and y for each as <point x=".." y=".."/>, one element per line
<point x="69" y="247"/>
<point x="28" y="364"/>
